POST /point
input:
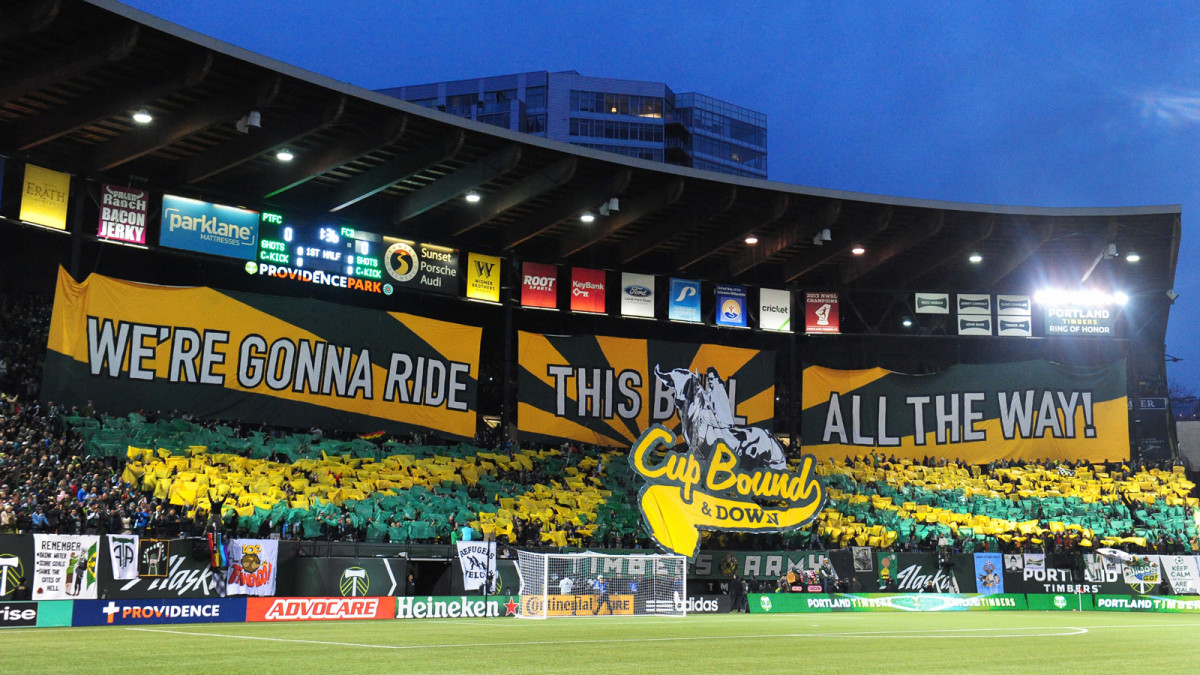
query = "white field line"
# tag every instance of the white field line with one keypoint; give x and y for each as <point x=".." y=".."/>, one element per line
<point x="925" y="634"/>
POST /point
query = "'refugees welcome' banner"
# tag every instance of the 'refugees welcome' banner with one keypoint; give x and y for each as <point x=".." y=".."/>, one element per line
<point x="231" y="355"/>
<point x="607" y="390"/>
<point x="979" y="413"/>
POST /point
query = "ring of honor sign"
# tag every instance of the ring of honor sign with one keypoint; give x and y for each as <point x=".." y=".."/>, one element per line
<point x="731" y="478"/>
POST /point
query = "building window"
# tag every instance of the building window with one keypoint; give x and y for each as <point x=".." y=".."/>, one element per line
<point x="535" y="124"/>
<point x="616" y="130"/>
<point x="535" y="97"/>
<point x="616" y="104"/>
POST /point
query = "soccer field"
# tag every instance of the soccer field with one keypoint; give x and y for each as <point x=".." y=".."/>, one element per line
<point x="760" y="643"/>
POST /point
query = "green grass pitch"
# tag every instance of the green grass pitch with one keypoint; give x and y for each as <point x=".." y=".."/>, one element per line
<point x="786" y="643"/>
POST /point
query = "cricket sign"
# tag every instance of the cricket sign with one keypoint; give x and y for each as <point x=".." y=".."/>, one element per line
<point x="731" y="478"/>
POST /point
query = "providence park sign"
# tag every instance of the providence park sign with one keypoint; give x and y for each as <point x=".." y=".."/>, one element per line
<point x="731" y="478"/>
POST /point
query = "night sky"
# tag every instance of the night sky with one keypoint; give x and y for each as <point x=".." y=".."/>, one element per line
<point x="1023" y="103"/>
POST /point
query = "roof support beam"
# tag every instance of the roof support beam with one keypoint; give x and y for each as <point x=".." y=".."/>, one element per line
<point x="540" y="181"/>
<point x="1102" y="242"/>
<point x="707" y="208"/>
<point x="638" y="208"/>
<point x="243" y="148"/>
<point x="333" y="154"/>
<point x="119" y="100"/>
<point x="570" y="206"/>
<point x="28" y="19"/>
<point x="219" y="109"/>
<point x="747" y="223"/>
<point x="848" y="238"/>
<point x="954" y="246"/>
<point x="910" y="237"/>
<point x="821" y="218"/>
<point x="402" y="166"/>
<point x="1033" y="239"/>
<point x="68" y="63"/>
<point x="455" y="184"/>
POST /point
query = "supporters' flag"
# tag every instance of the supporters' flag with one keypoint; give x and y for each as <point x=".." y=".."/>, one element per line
<point x="478" y="561"/>
<point x="123" y="553"/>
<point x="1115" y="554"/>
<point x="253" y="568"/>
<point x="372" y="436"/>
<point x="216" y="545"/>
<point x="1064" y="471"/>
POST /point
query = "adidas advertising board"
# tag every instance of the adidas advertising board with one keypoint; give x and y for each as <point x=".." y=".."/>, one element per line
<point x="135" y="612"/>
<point x="694" y="604"/>
<point x="318" y="609"/>
<point x="460" y="607"/>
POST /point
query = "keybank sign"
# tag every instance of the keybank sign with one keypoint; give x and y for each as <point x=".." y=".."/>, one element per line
<point x="208" y="228"/>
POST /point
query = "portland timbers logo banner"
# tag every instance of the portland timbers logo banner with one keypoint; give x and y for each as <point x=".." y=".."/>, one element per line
<point x="730" y="477"/>
<point x="607" y="390"/>
<point x="976" y="412"/>
<point x="284" y="361"/>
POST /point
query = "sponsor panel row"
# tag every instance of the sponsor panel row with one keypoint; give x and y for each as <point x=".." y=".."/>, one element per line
<point x="785" y="603"/>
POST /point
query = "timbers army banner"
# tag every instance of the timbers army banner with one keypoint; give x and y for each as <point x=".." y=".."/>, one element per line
<point x="977" y="412"/>
<point x="606" y="390"/>
<point x="233" y="355"/>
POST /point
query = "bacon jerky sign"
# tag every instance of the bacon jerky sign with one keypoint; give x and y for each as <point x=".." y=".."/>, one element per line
<point x="688" y="492"/>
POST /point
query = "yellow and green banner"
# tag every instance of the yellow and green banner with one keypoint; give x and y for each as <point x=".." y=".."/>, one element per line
<point x="607" y="390"/>
<point x="255" y="358"/>
<point x="973" y="412"/>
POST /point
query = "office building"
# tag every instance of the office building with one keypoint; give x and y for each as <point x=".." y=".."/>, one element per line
<point x="629" y="117"/>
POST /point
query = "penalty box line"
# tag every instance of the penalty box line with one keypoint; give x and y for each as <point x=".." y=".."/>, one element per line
<point x="967" y="633"/>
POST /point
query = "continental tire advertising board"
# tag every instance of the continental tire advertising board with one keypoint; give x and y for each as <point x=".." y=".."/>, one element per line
<point x="976" y="412"/>
<point x="283" y="361"/>
<point x="607" y="390"/>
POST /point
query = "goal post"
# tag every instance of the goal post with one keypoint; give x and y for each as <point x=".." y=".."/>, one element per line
<point x="601" y="584"/>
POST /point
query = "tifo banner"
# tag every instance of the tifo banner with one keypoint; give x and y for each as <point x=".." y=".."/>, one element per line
<point x="1181" y="572"/>
<point x="977" y="412"/>
<point x="318" y="609"/>
<point x="782" y="603"/>
<point x="123" y="553"/>
<point x="478" y="560"/>
<point x="756" y="565"/>
<point x="606" y="390"/>
<point x="253" y="566"/>
<point x="279" y="360"/>
<point x="64" y="566"/>
<point x="989" y="573"/>
<point x="1143" y="574"/>
<point x="152" y="557"/>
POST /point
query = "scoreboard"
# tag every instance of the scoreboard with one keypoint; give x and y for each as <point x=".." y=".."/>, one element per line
<point x="337" y="249"/>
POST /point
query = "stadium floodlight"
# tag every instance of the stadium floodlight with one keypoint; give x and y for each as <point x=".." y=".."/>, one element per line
<point x="601" y="584"/>
<point x="1057" y="297"/>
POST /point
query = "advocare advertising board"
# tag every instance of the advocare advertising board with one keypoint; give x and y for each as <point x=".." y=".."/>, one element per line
<point x="319" y="609"/>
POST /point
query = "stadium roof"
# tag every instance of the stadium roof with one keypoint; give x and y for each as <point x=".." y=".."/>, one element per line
<point x="75" y="70"/>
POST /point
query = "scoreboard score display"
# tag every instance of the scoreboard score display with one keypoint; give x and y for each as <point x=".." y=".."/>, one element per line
<point x="350" y="252"/>
<point x="332" y="248"/>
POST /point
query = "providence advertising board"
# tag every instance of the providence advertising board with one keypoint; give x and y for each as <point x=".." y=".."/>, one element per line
<point x="133" y="612"/>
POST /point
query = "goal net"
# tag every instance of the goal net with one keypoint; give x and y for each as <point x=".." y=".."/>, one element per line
<point x="598" y="584"/>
